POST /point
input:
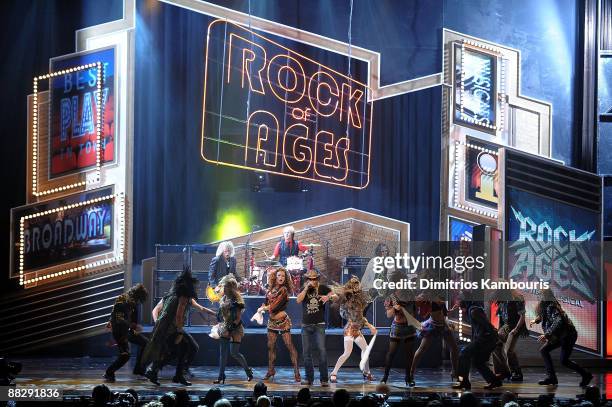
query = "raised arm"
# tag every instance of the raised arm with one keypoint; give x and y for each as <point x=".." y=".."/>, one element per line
<point x="300" y="297"/>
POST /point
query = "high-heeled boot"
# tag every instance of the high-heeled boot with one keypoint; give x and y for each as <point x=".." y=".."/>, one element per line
<point x="296" y="375"/>
<point x="270" y="375"/>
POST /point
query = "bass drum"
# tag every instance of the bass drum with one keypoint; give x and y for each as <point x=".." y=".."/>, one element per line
<point x="243" y="287"/>
<point x="295" y="264"/>
<point x="259" y="275"/>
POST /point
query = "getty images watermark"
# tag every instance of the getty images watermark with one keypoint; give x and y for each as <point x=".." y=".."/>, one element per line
<point x="410" y="265"/>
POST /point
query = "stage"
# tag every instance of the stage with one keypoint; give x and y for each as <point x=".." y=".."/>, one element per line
<point x="77" y="377"/>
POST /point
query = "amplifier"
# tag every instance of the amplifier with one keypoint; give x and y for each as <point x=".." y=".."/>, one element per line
<point x="162" y="281"/>
<point x="356" y="261"/>
<point x="353" y="266"/>
<point x="201" y="256"/>
<point x="171" y="257"/>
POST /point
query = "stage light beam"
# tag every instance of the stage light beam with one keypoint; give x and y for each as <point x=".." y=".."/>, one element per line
<point x="234" y="222"/>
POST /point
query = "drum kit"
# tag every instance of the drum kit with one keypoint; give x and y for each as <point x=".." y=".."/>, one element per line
<point x="257" y="277"/>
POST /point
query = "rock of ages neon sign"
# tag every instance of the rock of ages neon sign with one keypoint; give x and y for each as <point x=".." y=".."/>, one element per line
<point x="268" y="108"/>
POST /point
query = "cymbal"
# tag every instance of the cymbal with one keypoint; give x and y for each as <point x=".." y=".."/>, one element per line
<point x="268" y="263"/>
<point x="312" y="244"/>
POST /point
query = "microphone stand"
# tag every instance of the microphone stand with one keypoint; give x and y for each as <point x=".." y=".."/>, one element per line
<point x="247" y="247"/>
<point x="327" y="244"/>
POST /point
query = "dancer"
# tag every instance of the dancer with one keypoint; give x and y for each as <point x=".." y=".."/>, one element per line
<point x="436" y="326"/>
<point x="559" y="331"/>
<point x="279" y="323"/>
<point x="171" y="351"/>
<point x="231" y="331"/>
<point x="400" y="308"/>
<point x="478" y="351"/>
<point x="511" y="311"/>
<point x="169" y="330"/>
<point x="125" y="329"/>
<point x="313" y="298"/>
<point x="353" y="301"/>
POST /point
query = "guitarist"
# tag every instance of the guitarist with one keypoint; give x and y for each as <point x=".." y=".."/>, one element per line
<point x="223" y="264"/>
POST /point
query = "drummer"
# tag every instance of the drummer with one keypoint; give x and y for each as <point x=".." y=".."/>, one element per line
<point x="288" y="246"/>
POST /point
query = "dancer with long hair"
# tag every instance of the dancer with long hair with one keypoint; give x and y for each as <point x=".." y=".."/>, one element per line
<point x="436" y="326"/>
<point x="169" y="330"/>
<point x="279" y="323"/>
<point x="353" y="301"/>
<point x="231" y="331"/>
<point x="559" y="331"/>
<point x="399" y="307"/>
<point x="125" y="329"/>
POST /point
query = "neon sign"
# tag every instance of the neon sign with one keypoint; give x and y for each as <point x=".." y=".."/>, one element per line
<point x="269" y="108"/>
<point x="475" y="93"/>
<point x="481" y="168"/>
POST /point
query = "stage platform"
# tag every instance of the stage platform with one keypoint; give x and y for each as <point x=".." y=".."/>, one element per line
<point x="77" y="377"/>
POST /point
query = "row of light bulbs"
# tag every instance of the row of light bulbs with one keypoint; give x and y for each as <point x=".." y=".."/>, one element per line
<point x="480" y="45"/>
<point x="118" y="259"/>
<point x="463" y="116"/>
<point x="456" y="183"/>
<point x="477" y="211"/>
<point x="461" y="337"/>
<point x="96" y="179"/>
<point x="95" y="264"/>
<point x="474" y="146"/>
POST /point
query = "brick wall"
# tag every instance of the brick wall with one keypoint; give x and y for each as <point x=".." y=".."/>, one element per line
<point x="348" y="237"/>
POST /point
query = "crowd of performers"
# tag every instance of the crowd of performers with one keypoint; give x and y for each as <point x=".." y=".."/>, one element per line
<point x="413" y="315"/>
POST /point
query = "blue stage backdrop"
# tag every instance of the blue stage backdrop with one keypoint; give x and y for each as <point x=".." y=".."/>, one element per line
<point x="168" y="74"/>
<point x="408" y="34"/>
<point x="546" y="34"/>
<point x="178" y="196"/>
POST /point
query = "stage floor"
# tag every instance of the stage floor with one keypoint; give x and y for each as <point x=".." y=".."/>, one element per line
<point x="78" y="376"/>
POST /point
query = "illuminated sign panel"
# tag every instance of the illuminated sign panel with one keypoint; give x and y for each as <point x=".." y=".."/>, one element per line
<point x="481" y="169"/>
<point x="475" y="93"/>
<point x="59" y="231"/>
<point x="460" y="230"/>
<point x="73" y="112"/>
<point x="475" y="183"/>
<point x="549" y="240"/>
<point x="269" y="108"/>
